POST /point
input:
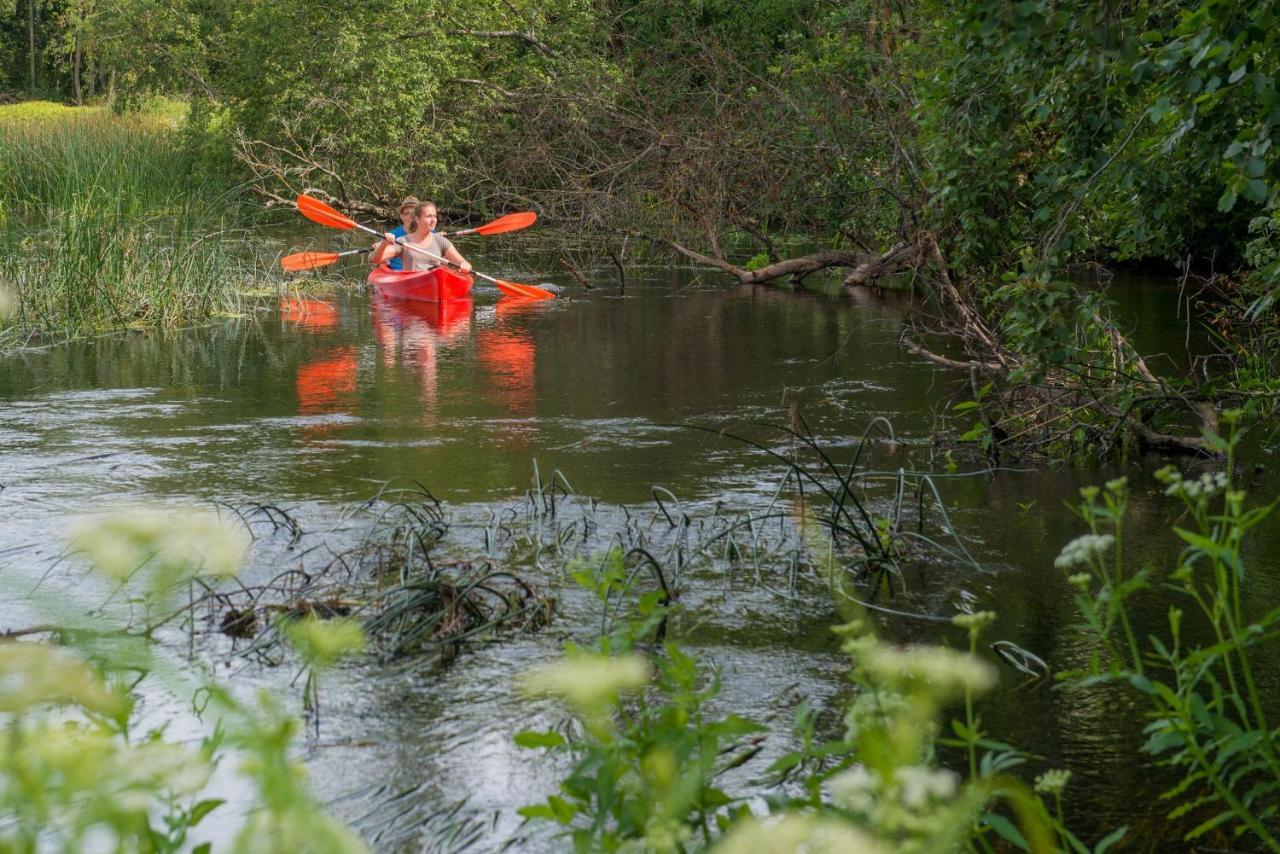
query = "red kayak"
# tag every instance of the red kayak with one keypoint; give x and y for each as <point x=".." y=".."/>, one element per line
<point x="438" y="284"/>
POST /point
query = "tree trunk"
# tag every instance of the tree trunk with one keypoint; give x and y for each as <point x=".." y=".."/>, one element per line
<point x="75" y="73"/>
<point x="31" y="41"/>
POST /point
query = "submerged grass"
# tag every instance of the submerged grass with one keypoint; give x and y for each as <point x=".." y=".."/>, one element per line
<point x="108" y="221"/>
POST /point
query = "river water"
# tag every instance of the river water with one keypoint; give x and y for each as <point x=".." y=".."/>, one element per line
<point x="315" y="405"/>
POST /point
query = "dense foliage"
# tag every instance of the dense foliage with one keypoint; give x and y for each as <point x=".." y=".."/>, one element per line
<point x="1125" y="131"/>
<point x="987" y="146"/>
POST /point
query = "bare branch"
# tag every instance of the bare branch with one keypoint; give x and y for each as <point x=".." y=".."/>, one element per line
<point x="528" y="38"/>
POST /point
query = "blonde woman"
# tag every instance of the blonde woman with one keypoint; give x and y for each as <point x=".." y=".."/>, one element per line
<point x="423" y="236"/>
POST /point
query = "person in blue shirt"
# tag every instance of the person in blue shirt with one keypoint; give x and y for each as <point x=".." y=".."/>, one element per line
<point x="405" y="210"/>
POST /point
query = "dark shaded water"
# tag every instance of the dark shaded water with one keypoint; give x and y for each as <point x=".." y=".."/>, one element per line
<point x="317" y="404"/>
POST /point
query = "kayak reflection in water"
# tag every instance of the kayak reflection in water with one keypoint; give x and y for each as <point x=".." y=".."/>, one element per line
<point x="420" y="235"/>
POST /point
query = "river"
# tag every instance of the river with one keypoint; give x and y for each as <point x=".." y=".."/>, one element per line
<point x="316" y="404"/>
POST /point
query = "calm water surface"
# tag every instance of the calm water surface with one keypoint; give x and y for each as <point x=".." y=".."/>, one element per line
<point x="318" y="403"/>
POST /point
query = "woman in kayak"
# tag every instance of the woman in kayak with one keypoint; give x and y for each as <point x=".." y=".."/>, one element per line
<point x="422" y="236"/>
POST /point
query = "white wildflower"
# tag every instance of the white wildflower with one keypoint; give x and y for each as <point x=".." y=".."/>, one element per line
<point x="856" y="789"/>
<point x="871" y="713"/>
<point x="1206" y="486"/>
<point x="945" y="672"/>
<point x="173" y="545"/>
<point x="919" y="786"/>
<point x="588" y="681"/>
<point x="1082" y="550"/>
<point x="1052" y="782"/>
<point x="788" y="834"/>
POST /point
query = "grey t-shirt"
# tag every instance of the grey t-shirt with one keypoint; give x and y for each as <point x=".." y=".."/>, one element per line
<point x="437" y="244"/>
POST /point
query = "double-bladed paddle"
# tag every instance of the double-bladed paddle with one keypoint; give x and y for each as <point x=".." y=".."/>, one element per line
<point x="317" y="211"/>
<point x="501" y="225"/>
<point x="311" y="260"/>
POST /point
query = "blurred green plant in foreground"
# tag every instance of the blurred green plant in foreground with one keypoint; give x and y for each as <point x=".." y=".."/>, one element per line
<point x="650" y="755"/>
<point x="77" y="773"/>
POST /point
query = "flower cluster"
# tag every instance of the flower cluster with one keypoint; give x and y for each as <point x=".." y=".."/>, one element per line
<point x="1052" y="782"/>
<point x="909" y="800"/>
<point x="173" y="545"/>
<point x="1080" y="580"/>
<point x="797" y="832"/>
<point x="942" y="672"/>
<point x="588" y="682"/>
<point x="1082" y="550"/>
<point x="976" y="621"/>
<point x="1205" y="486"/>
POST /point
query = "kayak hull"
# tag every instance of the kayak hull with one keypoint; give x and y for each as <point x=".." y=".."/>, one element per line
<point x="438" y="284"/>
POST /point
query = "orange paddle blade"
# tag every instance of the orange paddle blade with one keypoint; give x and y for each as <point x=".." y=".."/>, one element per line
<point x="308" y="260"/>
<point x="516" y="289"/>
<point x="510" y="222"/>
<point x="318" y="211"/>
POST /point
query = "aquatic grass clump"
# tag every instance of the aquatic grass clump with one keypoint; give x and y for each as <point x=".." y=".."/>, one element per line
<point x="99" y="269"/>
<point x="109" y="221"/>
<point x="408" y="604"/>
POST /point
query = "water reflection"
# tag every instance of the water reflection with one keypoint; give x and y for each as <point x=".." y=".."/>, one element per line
<point x="508" y="358"/>
<point x="326" y="386"/>
<point x="308" y="313"/>
<point x="412" y="333"/>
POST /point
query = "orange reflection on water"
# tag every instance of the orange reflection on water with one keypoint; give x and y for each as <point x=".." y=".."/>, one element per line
<point x="509" y="359"/>
<point x="326" y="385"/>
<point x="411" y="332"/>
<point x="308" y="313"/>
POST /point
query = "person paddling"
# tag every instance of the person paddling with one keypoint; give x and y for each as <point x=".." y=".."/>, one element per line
<point x="405" y="210"/>
<point x="420" y="234"/>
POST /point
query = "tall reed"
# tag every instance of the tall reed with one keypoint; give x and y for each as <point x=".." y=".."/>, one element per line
<point x="106" y="221"/>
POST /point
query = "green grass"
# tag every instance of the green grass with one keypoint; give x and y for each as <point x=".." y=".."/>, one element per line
<point x="108" y="221"/>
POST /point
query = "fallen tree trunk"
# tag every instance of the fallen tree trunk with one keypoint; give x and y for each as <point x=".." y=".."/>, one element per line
<point x="867" y="267"/>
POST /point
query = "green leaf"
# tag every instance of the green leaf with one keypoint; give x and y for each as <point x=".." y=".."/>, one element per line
<point x="1227" y="201"/>
<point x="556" y="809"/>
<point x="733" y="726"/>
<point x="786" y="762"/>
<point x="1110" y="839"/>
<point x="1206" y="826"/>
<point x="714" y="798"/>
<point x="1142" y="683"/>
<point x="203" y="808"/>
<point x="1256" y="190"/>
<point x="1005" y="829"/>
<point x="532" y="739"/>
